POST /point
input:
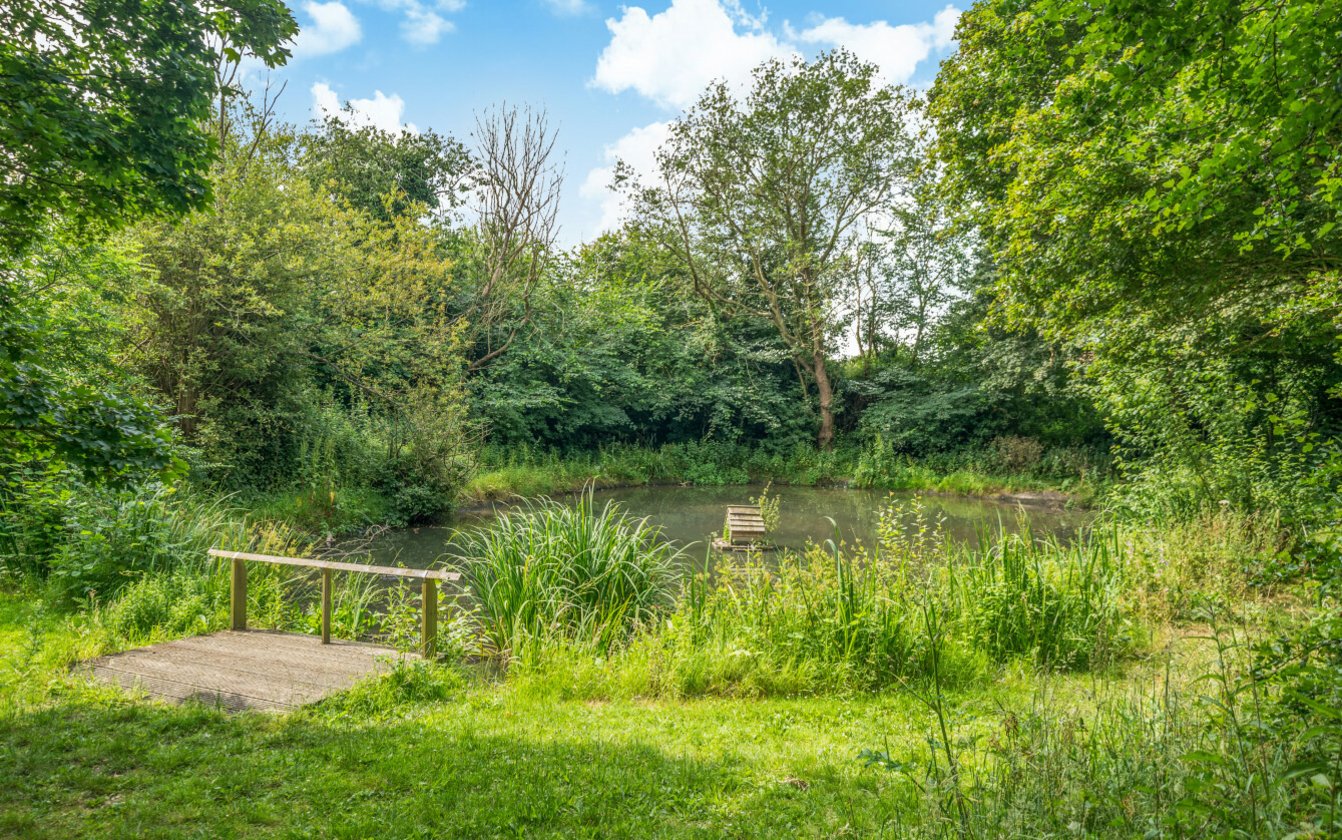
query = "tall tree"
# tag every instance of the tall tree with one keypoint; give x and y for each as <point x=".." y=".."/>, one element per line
<point x="1161" y="190"/>
<point x="766" y="198"/>
<point x="106" y="103"/>
<point x="385" y="173"/>
<point x="104" y="119"/>
<point x="519" y="180"/>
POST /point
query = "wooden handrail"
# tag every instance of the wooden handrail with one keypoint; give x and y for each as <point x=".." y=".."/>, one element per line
<point x="335" y="566"/>
<point x="428" y="589"/>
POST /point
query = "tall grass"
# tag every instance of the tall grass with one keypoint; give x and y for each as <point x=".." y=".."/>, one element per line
<point x="523" y="472"/>
<point x="839" y="618"/>
<point x="1062" y="605"/>
<point x="558" y="572"/>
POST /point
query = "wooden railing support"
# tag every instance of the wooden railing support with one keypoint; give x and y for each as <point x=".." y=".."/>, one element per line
<point x="428" y="578"/>
<point x="429" y="616"/>
<point x="237" y="595"/>
<point x="326" y="606"/>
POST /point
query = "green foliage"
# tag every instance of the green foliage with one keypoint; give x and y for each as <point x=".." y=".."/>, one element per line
<point x="552" y="571"/>
<point x="1159" y="193"/>
<point x="619" y="353"/>
<point x="1063" y="605"/>
<point x="303" y="344"/>
<point x="107" y="101"/>
<point x="384" y="174"/>
<point x="761" y="198"/>
<point x="769" y="506"/>
<point x="57" y="416"/>
<point x="916" y="609"/>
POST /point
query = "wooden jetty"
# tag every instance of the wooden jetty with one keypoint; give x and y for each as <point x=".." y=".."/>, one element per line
<point x="745" y="529"/>
<point x="260" y="669"/>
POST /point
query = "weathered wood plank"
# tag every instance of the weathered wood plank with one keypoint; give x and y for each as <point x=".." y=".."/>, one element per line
<point x="391" y="571"/>
<point x="263" y="652"/>
<point x="326" y="606"/>
<point x="244" y="670"/>
<point x="429" y="619"/>
<point x="237" y="595"/>
<point x="197" y="661"/>
<point x="210" y="679"/>
<point x="176" y="692"/>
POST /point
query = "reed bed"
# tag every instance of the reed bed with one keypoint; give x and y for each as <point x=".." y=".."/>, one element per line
<point x="571" y="573"/>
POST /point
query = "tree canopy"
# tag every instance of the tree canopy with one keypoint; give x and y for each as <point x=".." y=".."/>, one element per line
<point x="765" y="198"/>
<point x="107" y="101"/>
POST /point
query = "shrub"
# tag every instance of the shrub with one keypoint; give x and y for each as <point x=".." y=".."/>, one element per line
<point x="84" y="540"/>
<point x="1017" y="454"/>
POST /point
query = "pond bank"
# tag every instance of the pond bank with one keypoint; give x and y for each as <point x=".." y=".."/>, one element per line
<point x="348" y="511"/>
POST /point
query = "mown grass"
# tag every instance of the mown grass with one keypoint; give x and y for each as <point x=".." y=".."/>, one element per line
<point x="434" y="750"/>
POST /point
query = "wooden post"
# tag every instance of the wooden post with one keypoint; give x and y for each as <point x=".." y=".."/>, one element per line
<point x="238" y="596"/>
<point x="326" y="606"/>
<point x="429" y="625"/>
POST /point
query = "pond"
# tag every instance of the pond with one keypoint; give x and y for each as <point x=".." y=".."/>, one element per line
<point x="691" y="516"/>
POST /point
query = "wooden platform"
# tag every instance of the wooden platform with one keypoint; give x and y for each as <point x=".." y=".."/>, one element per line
<point x="745" y="529"/>
<point x="254" y="669"/>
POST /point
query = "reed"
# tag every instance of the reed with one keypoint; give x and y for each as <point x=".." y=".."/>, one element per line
<point x="1062" y="605"/>
<point x="577" y="573"/>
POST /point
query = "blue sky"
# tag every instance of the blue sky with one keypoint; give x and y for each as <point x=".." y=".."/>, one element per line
<point x="610" y="75"/>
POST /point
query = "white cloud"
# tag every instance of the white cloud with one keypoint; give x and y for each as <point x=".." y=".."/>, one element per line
<point x="569" y="8"/>
<point x="896" y="50"/>
<point x="638" y="149"/>
<point x="670" y="57"/>
<point x="334" y="27"/>
<point x="382" y="111"/>
<point x="422" y="21"/>
<point x="423" y="27"/>
<point x="943" y="27"/>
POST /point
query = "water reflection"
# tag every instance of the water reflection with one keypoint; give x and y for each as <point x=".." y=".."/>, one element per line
<point x="690" y="516"/>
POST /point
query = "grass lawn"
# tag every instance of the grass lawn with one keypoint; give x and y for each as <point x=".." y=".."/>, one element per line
<point x="434" y="752"/>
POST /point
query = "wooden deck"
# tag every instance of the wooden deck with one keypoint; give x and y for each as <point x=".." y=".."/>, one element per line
<point x="254" y="669"/>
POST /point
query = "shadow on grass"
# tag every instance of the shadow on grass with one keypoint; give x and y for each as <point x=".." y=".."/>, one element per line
<point x="123" y="769"/>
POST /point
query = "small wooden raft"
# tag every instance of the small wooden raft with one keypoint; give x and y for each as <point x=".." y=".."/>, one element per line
<point x="745" y="529"/>
<point x="257" y="669"/>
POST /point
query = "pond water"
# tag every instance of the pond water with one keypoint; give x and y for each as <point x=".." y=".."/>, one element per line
<point x="691" y="516"/>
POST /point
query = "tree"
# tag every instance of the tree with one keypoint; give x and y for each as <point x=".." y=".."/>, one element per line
<point x="1161" y="191"/>
<point x="910" y="274"/>
<point x="386" y="174"/>
<point x="766" y="199"/>
<point x="517" y="210"/>
<point x="302" y="340"/>
<point x="106" y="104"/>
<point x="105" y="119"/>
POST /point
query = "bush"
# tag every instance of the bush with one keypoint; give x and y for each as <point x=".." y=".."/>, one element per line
<point x="430" y="460"/>
<point x="84" y="540"/>
<point x="1017" y="454"/>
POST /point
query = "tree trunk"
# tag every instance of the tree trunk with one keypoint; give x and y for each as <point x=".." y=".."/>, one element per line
<point x="825" y="440"/>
